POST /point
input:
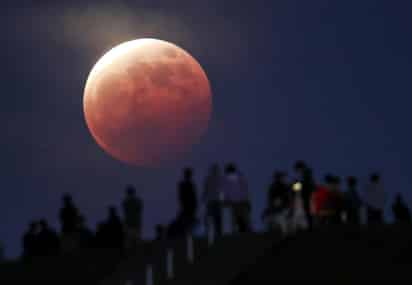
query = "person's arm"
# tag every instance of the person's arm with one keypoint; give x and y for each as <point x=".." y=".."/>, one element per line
<point x="312" y="207"/>
<point x="205" y="191"/>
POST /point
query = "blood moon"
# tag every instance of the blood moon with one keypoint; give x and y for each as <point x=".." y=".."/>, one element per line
<point x="147" y="101"/>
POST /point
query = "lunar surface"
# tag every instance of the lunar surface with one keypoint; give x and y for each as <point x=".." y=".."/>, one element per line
<point x="147" y="101"/>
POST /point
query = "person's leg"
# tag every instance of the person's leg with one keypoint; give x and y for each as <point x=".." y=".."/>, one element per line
<point x="306" y="207"/>
<point x="217" y="217"/>
<point x="379" y="216"/>
<point x="370" y="215"/>
<point x="238" y="217"/>
<point x="356" y="217"/>
<point x="208" y="218"/>
<point x="281" y="222"/>
<point x="234" y="214"/>
<point x="242" y="217"/>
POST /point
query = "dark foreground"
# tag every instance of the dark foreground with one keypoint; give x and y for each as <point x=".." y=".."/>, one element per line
<point x="343" y="255"/>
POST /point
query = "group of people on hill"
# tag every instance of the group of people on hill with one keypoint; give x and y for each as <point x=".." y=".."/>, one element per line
<point x="292" y="205"/>
<point x="221" y="190"/>
<point x="42" y="240"/>
<point x="303" y="203"/>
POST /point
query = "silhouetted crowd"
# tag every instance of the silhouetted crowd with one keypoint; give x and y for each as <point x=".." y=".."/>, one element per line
<point x="41" y="240"/>
<point x="295" y="204"/>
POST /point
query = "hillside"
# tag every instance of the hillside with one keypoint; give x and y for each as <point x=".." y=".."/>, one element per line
<point x="345" y="254"/>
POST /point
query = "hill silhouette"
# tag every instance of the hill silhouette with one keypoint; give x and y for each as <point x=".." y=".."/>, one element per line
<point x="342" y="254"/>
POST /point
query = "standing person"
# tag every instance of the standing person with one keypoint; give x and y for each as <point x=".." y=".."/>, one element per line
<point x="336" y="200"/>
<point x="353" y="202"/>
<point x="278" y="203"/>
<point x="308" y="187"/>
<point x="321" y="202"/>
<point x="69" y="215"/>
<point x="235" y="190"/>
<point x="49" y="242"/>
<point x="85" y="235"/>
<point x="211" y="196"/>
<point x="187" y="200"/>
<point x="132" y="210"/>
<point x="69" y="219"/>
<point x="401" y="211"/>
<point x="113" y="230"/>
<point x="2" y="258"/>
<point x="375" y="198"/>
<point x="299" y="217"/>
<point x="30" y="241"/>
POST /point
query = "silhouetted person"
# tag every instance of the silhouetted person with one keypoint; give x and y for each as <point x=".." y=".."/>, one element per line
<point x="299" y="218"/>
<point x="278" y="202"/>
<point x="236" y="196"/>
<point x="30" y="241"/>
<point x="308" y="186"/>
<point x="85" y="235"/>
<point x="69" y="219"/>
<point x="113" y="229"/>
<point x="212" y="198"/>
<point x="279" y="191"/>
<point x="322" y="206"/>
<point x="132" y="210"/>
<point x="69" y="215"/>
<point x="401" y="211"/>
<point x="2" y="258"/>
<point x="187" y="200"/>
<point x="336" y="200"/>
<point x="353" y="202"/>
<point x="49" y="242"/>
<point x="375" y="199"/>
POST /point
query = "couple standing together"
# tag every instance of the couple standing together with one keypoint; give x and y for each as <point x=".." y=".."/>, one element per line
<point x="227" y="191"/>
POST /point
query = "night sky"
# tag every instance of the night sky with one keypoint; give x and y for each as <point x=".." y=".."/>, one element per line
<point x="324" y="81"/>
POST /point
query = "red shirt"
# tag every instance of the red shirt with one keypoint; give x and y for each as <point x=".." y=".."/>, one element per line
<point x="320" y="199"/>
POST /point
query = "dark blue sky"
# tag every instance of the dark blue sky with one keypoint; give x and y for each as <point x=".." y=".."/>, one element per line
<point x="325" y="81"/>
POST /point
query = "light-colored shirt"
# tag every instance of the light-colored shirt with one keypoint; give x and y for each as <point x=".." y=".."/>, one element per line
<point x="234" y="188"/>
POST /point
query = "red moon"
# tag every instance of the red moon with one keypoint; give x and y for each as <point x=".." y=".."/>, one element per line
<point x="147" y="101"/>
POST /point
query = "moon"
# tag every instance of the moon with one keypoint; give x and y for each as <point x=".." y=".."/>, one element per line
<point x="147" y="101"/>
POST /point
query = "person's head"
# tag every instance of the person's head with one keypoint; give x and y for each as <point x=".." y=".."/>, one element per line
<point x="352" y="181"/>
<point x="112" y="211"/>
<point x="130" y="190"/>
<point x="43" y="224"/>
<point x="67" y="199"/>
<point x="279" y="177"/>
<point x="188" y="173"/>
<point x="398" y="198"/>
<point x="375" y="177"/>
<point x="230" y="168"/>
<point x="300" y="166"/>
